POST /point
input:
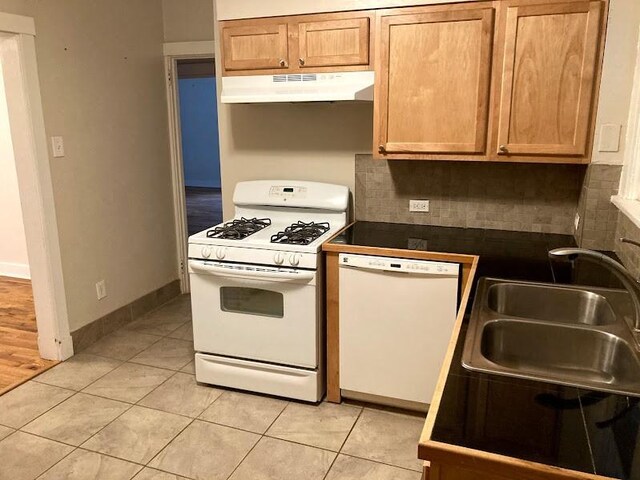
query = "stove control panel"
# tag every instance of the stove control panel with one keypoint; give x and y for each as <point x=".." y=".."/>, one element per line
<point x="254" y="256"/>
<point x="288" y="191"/>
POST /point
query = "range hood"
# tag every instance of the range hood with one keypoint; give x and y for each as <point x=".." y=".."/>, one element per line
<point x="302" y="87"/>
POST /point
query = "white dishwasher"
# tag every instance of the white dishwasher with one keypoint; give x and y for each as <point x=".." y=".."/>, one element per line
<point x="396" y="319"/>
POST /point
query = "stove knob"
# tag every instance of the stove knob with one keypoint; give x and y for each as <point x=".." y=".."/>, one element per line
<point x="220" y="253"/>
<point x="294" y="259"/>
<point x="278" y="258"/>
<point x="206" y="252"/>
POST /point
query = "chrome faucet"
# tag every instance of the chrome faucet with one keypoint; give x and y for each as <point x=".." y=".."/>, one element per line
<point x="629" y="241"/>
<point x="630" y="283"/>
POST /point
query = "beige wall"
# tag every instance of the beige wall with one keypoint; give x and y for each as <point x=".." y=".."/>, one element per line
<point x="303" y="142"/>
<point x="102" y="80"/>
<point x="187" y="20"/>
<point x="617" y="74"/>
<point x="13" y="243"/>
<point x="18" y="7"/>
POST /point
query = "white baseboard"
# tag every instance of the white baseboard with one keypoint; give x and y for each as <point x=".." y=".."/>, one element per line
<point x="15" y="270"/>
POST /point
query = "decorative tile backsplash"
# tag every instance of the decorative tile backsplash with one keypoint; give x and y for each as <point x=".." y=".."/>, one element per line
<point x="598" y="216"/>
<point x="522" y="197"/>
<point x="629" y="254"/>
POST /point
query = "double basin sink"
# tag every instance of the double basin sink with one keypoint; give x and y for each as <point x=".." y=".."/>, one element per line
<point x="577" y="336"/>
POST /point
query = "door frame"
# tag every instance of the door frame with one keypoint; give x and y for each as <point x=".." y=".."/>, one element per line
<point x="26" y="120"/>
<point x="173" y="52"/>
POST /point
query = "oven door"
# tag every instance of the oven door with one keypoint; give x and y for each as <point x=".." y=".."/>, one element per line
<point x="255" y="312"/>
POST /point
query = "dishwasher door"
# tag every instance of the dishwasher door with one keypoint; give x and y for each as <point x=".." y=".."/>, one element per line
<point x="396" y="319"/>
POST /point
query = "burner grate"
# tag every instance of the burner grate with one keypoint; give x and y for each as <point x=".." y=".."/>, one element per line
<point x="301" y="233"/>
<point x="239" y="229"/>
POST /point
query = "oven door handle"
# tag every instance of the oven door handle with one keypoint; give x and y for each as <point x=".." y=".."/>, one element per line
<point x="300" y="275"/>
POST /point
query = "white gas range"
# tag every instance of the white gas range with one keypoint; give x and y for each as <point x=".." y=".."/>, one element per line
<point x="257" y="288"/>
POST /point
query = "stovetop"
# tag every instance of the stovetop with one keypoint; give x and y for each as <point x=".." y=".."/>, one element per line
<point x="301" y="233"/>
<point x="239" y="229"/>
<point x="306" y="234"/>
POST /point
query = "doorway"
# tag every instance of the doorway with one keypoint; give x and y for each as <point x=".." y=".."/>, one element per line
<point x="34" y="329"/>
<point x="193" y="137"/>
<point x="197" y="101"/>
<point x="19" y="355"/>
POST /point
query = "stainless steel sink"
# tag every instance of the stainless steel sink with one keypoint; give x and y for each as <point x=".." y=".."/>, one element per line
<point x="569" y="335"/>
<point x="558" y="304"/>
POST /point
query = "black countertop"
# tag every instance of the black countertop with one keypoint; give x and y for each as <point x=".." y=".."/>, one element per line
<point x="503" y="254"/>
<point x="536" y="421"/>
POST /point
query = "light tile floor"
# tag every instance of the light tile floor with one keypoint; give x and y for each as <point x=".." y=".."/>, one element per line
<point x="129" y="408"/>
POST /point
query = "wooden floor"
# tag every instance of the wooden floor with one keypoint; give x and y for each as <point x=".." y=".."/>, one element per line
<point x="19" y="358"/>
<point x="204" y="208"/>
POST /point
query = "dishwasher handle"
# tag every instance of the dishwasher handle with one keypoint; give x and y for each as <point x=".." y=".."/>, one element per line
<point x="400" y="265"/>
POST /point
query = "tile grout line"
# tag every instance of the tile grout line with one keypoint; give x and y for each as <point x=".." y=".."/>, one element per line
<point x="83" y="448"/>
<point x="343" y="442"/>
<point x="124" y="459"/>
<point x="154" y="389"/>
<point x="56" y="463"/>
<point x="167" y="445"/>
<point x="91" y="382"/>
<point x="47" y="410"/>
<point x="245" y="457"/>
<point x="263" y="435"/>
<point x="121" y="330"/>
<point x="380" y="463"/>
<point x="75" y="392"/>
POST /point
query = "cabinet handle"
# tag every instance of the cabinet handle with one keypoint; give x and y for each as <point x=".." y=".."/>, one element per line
<point x="301" y="61"/>
<point x="283" y="63"/>
<point x="503" y="149"/>
<point x="381" y="149"/>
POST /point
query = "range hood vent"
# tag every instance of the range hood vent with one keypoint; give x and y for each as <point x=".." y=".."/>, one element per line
<point x="305" y="87"/>
<point x="296" y="77"/>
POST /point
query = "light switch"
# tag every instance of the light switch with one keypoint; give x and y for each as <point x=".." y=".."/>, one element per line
<point x="57" y="144"/>
<point x="609" y="138"/>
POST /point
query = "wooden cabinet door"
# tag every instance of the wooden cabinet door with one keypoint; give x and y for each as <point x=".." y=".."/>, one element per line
<point x="432" y="88"/>
<point x="334" y="42"/>
<point x="548" y="78"/>
<point x="255" y="47"/>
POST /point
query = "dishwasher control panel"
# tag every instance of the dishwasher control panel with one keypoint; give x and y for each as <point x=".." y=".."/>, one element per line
<point x="403" y="265"/>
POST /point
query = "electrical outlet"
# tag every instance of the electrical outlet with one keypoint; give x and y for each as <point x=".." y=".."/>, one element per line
<point x="419" y="206"/>
<point x="101" y="289"/>
<point x="576" y="221"/>
<point x="57" y="145"/>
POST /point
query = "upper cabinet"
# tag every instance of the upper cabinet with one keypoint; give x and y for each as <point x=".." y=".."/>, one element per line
<point x="327" y="42"/>
<point x="548" y="78"/>
<point x="255" y="47"/>
<point x="501" y="81"/>
<point x="333" y="42"/>
<point x="433" y="76"/>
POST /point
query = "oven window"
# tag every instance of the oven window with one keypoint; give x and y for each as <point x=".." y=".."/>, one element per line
<point x="253" y="301"/>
